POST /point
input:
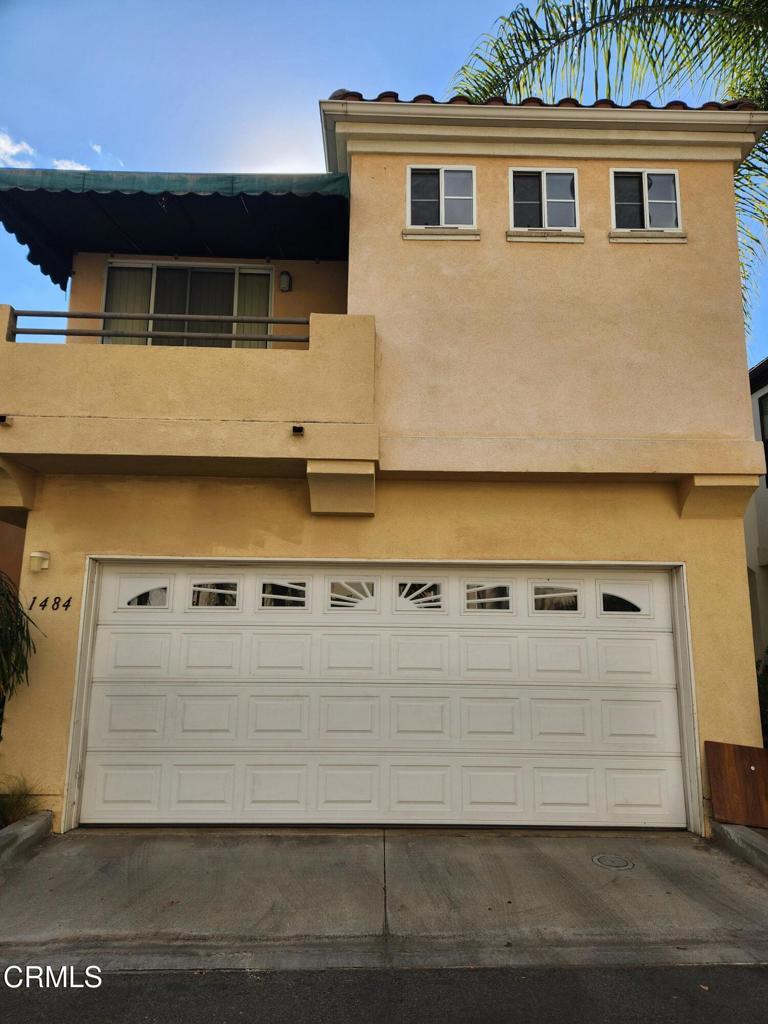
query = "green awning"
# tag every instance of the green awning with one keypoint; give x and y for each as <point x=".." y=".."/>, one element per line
<point x="234" y="216"/>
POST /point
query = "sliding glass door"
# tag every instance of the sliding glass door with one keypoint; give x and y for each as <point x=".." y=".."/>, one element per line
<point x="194" y="291"/>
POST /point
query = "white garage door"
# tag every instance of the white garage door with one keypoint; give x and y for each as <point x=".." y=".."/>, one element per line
<point x="331" y="693"/>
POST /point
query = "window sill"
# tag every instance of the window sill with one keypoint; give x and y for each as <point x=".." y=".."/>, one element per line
<point x="454" y="234"/>
<point x="637" y="235"/>
<point x="544" y="235"/>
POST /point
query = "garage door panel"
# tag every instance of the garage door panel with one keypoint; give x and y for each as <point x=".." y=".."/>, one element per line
<point x="132" y="653"/>
<point x="350" y="718"/>
<point x="566" y="791"/>
<point x="278" y="716"/>
<point x="403" y="789"/>
<point x="447" y="717"/>
<point x="314" y="695"/>
<point x="276" y="655"/>
<point x="211" y="654"/>
<point x="358" y="655"/>
<point x="558" y="658"/>
<point x="491" y="719"/>
<point x="489" y="656"/>
<point x="206" y="718"/>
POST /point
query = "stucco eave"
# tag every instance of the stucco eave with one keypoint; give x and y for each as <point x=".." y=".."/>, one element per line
<point x="341" y="118"/>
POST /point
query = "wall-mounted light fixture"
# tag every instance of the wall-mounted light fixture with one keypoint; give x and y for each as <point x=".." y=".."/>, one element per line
<point x="39" y="560"/>
<point x="286" y="281"/>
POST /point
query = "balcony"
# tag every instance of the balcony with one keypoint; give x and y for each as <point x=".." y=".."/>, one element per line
<point x="303" y="405"/>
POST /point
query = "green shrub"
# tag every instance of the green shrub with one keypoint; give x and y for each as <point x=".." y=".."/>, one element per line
<point x="16" y="799"/>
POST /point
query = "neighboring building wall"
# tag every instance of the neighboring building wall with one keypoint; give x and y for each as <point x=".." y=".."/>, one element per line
<point x="756" y="530"/>
<point x="11" y="550"/>
<point x="419" y="520"/>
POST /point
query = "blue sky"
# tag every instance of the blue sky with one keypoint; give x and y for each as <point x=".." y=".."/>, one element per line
<point x="198" y="85"/>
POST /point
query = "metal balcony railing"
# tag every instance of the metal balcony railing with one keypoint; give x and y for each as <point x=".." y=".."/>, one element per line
<point x="197" y="328"/>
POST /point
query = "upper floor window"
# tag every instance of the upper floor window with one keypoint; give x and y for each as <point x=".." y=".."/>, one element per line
<point x="646" y="200"/>
<point x="193" y="291"/>
<point x="441" y="197"/>
<point x="543" y="199"/>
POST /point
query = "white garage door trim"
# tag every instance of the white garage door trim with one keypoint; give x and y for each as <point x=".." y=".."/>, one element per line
<point x="686" y="703"/>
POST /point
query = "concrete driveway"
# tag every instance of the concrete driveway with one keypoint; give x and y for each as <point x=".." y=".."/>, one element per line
<point x="274" y="899"/>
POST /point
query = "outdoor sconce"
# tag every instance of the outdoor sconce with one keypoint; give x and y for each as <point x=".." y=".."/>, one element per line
<point x="286" y="281"/>
<point x="39" y="560"/>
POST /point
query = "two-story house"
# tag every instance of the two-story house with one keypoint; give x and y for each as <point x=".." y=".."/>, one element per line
<point x="410" y="492"/>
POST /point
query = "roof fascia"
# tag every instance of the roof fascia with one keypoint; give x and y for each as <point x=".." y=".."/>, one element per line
<point x="344" y="119"/>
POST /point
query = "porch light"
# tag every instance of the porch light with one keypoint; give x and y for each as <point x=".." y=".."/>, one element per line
<point x="286" y="281"/>
<point x="39" y="560"/>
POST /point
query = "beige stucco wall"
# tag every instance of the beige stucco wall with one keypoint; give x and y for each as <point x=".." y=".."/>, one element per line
<point x="318" y="287"/>
<point x="76" y="516"/>
<point x="490" y="339"/>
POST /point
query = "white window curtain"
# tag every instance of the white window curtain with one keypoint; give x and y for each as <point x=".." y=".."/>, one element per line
<point x="192" y="291"/>
<point x="252" y="300"/>
<point x="129" y="290"/>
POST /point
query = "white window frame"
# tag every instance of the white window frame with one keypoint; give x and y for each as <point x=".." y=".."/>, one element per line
<point x="645" y="171"/>
<point x="154" y="265"/>
<point x="543" y="171"/>
<point x="214" y="577"/>
<point x="442" y="168"/>
<point x="297" y="609"/>
<point x="556" y="581"/>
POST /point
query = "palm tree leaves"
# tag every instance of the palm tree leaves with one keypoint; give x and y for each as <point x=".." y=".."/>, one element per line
<point x="16" y="643"/>
<point x="617" y="47"/>
<point x="621" y="48"/>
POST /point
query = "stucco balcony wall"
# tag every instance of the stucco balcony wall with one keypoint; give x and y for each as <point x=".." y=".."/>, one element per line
<point x="92" y="401"/>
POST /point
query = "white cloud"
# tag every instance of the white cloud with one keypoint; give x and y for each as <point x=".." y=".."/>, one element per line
<point x="13" y="154"/>
<point x="70" y="165"/>
<point x="96" y="147"/>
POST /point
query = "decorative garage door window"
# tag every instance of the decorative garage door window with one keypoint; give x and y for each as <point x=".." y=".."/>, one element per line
<point x="284" y="594"/>
<point x="419" y="595"/>
<point x="487" y="597"/>
<point x="214" y="594"/>
<point x="143" y="592"/>
<point x="354" y="595"/>
<point x="555" y="597"/>
<point x="624" y="597"/>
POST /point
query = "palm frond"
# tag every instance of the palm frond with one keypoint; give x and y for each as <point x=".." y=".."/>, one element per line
<point x="620" y="45"/>
<point x="16" y="642"/>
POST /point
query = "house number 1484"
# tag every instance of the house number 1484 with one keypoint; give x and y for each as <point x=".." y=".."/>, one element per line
<point x="54" y="603"/>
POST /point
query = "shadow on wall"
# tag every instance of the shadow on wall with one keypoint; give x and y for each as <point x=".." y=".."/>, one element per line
<point x="11" y="550"/>
<point x="762" y="693"/>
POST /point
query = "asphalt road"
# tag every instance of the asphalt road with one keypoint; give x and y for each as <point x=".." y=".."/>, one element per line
<point x="660" y="995"/>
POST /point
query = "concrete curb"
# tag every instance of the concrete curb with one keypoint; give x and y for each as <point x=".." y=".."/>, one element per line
<point x="17" y="841"/>
<point x="744" y="842"/>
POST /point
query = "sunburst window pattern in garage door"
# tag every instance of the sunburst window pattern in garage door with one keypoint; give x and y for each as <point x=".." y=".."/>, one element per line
<point x="354" y="594"/>
<point x="419" y="595"/>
